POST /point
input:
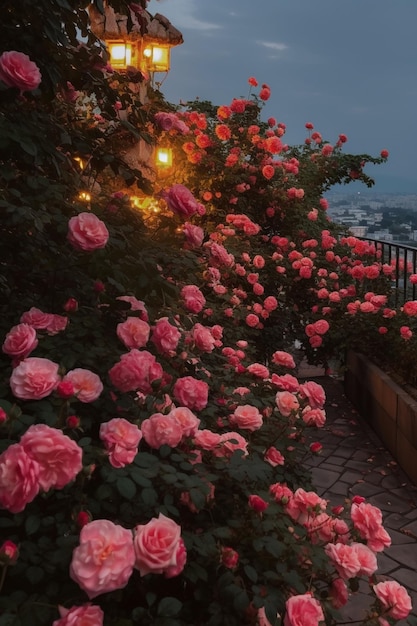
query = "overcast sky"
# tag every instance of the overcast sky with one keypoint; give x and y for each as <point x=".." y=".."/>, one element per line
<point x="347" y="66"/>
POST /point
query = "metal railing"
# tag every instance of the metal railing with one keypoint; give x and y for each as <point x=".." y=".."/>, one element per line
<point x="403" y="259"/>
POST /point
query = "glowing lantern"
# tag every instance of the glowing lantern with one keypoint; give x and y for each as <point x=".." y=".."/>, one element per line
<point x="122" y="54"/>
<point x="157" y="57"/>
<point x="163" y="157"/>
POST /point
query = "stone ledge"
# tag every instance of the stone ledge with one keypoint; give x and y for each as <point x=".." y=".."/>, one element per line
<point x="388" y="409"/>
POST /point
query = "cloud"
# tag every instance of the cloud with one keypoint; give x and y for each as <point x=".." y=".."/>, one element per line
<point x="273" y="45"/>
<point x="182" y="15"/>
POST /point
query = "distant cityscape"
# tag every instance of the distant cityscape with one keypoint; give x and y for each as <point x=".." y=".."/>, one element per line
<point x="384" y="216"/>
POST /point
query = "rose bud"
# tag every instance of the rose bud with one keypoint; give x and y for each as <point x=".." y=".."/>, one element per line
<point x="71" y="305"/>
<point x="229" y="558"/>
<point x="72" y="421"/>
<point x="65" y="389"/>
<point x="316" y="447"/>
<point x="9" y="553"/>
<point x="83" y="518"/>
<point x="257" y="503"/>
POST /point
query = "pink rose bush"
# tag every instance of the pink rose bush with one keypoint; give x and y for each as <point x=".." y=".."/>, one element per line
<point x="151" y="450"/>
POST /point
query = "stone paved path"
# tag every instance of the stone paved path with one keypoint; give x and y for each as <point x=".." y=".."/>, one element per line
<point x="353" y="461"/>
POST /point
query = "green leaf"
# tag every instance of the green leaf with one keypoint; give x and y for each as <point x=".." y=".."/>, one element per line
<point x="251" y="573"/>
<point x="32" y="524"/>
<point x="169" y="607"/>
<point x="149" y="496"/>
<point x="126" y="487"/>
<point x="34" y="574"/>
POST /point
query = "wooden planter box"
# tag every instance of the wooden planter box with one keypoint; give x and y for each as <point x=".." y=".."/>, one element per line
<point x="390" y="411"/>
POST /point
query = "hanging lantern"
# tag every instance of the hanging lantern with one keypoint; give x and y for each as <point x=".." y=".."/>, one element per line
<point x="163" y="157"/>
<point x="143" y="42"/>
<point x="122" y="54"/>
<point x="157" y="57"/>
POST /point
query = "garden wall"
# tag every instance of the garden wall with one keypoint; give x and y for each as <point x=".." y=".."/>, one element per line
<point x="390" y="411"/>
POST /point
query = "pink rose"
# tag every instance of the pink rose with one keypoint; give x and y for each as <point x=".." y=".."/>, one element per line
<point x="274" y="457"/>
<point x="303" y="504"/>
<point x="194" y="235"/>
<point x="160" y="430"/>
<point x="286" y="402"/>
<point x="181" y="201"/>
<point x="193" y="298"/>
<point x="59" y="457"/>
<point x="366" y="518"/>
<point x="379" y="540"/>
<point x="34" y="378"/>
<point x="344" y="558"/>
<point x="220" y="256"/>
<point x="229" y="557"/>
<point x="281" y="492"/>
<point x="229" y="443"/>
<point x="202" y="337"/>
<point x="259" y="370"/>
<point x="191" y="392"/>
<point x="36" y="318"/>
<point x="56" y="324"/>
<point x="283" y="358"/>
<point x="17" y="70"/>
<point x="246" y="417"/>
<point x="303" y="610"/>
<point x="314" y="417"/>
<point x="19" y="478"/>
<point x="136" y="371"/>
<point x="157" y="545"/>
<point x="104" y="559"/>
<point x="87" y="385"/>
<point x="394" y="598"/>
<point x="121" y="440"/>
<point x="85" y="615"/>
<point x="206" y="439"/>
<point x="314" y="393"/>
<point x="188" y="422"/>
<point x="133" y="332"/>
<point x="87" y="232"/>
<point x="20" y="341"/>
<point x="165" y="336"/>
<point x="286" y="382"/>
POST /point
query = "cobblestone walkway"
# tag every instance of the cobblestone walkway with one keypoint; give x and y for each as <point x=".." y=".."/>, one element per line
<point x="353" y="461"/>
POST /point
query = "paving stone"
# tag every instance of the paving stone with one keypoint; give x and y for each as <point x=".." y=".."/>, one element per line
<point x="406" y="555"/>
<point x="324" y="478"/>
<point x="388" y="501"/>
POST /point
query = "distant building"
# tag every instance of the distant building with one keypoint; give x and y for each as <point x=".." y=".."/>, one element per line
<point x="358" y="231"/>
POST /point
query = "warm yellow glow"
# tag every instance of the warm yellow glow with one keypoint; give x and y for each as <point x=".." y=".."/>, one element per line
<point x="163" y="157"/>
<point x="84" y="196"/>
<point x="147" y="204"/>
<point x="121" y="54"/>
<point x="80" y="162"/>
<point x="157" y="58"/>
